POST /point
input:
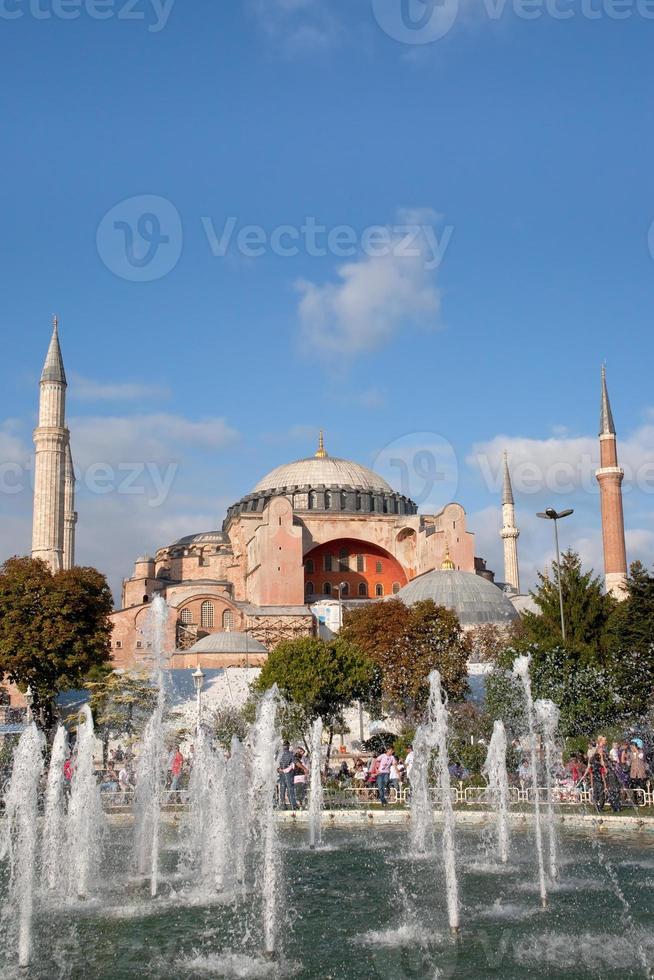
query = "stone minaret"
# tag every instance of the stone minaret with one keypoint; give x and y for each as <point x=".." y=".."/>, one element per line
<point x="609" y="476"/>
<point x="51" y="446"/>
<point x="70" y="514"/>
<point x="509" y="532"/>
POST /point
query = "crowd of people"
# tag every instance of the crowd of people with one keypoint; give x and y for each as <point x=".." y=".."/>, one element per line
<point x="610" y="774"/>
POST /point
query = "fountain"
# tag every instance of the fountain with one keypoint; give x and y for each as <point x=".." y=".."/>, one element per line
<point x="439" y="719"/>
<point x="265" y="749"/>
<point x="547" y="714"/>
<point x="315" y="789"/>
<point x="19" y="834"/>
<point x="54" y="817"/>
<point x="85" y="814"/>
<point x="421" y="830"/>
<point x="237" y="800"/>
<point x="209" y="821"/>
<point x="148" y="796"/>
<point x="521" y="671"/>
<point x="498" y="785"/>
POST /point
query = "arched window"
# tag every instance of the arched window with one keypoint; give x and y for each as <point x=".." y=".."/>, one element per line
<point x="206" y="614"/>
<point x="308" y="566"/>
<point x="228" y="620"/>
<point x="327" y="589"/>
<point x="358" y="502"/>
<point x="328" y="499"/>
<point x="361" y="563"/>
<point x="186" y="616"/>
<point x="343" y="500"/>
<point x="345" y="589"/>
<point x="146" y="598"/>
<point x="308" y="588"/>
<point x="396" y="588"/>
<point x="343" y="560"/>
<point x="378" y="567"/>
<point x="363" y="589"/>
<point x="313" y="500"/>
<point x="379" y="589"/>
<point x="328" y="563"/>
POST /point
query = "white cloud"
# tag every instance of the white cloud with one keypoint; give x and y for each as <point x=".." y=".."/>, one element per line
<point x="86" y="389"/>
<point x="157" y="436"/>
<point x="297" y="26"/>
<point x="563" y="465"/>
<point x="377" y="295"/>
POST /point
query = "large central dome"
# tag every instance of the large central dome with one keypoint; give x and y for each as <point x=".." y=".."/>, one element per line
<point x="324" y="484"/>
<point x="328" y="471"/>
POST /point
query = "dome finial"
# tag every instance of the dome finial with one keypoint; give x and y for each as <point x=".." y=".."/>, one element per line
<point x="447" y="565"/>
<point x="321" y="452"/>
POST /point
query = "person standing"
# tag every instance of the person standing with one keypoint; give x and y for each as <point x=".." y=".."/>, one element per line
<point x="637" y="767"/>
<point x="384" y="763"/>
<point x="300" y="773"/>
<point x="176" y="767"/>
<point x="286" y="768"/>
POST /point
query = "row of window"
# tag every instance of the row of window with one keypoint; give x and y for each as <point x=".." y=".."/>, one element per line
<point x="207" y="616"/>
<point x="362" y="590"/>
<point x="343" y="563"/>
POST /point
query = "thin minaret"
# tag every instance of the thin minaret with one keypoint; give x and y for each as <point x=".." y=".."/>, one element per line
<point x="610" y="476"/>
<point x="70" y="514"/>
<point x="50" y="444"/>
<point x="509" y="532"/>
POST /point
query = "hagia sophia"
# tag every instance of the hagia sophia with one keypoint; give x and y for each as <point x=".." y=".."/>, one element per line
<point x="312" y="537"/>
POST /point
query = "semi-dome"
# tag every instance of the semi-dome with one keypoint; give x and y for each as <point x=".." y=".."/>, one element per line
<point x="328" y="471"/>
<point x="229" y="641"/>
<point x="474" y="599"/>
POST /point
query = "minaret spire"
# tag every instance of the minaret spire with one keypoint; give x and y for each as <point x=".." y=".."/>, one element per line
<point x="610" y="476"/>
<point x="51" y="445"/>
<point x="53" y="368"/>
<point x="509" y="532"/>
<point x="606" y="416"/>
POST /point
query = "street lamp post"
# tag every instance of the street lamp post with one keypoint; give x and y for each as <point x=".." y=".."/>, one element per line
<point x="551" y="515"/>
<point x="198" y="681"/>
<point x="29" y="701"/>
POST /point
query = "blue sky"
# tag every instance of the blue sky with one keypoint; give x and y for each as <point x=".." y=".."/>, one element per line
<point x="526" y="146"/>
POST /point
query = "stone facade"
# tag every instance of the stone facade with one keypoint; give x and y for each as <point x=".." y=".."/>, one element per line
<point x="280" y="549"/>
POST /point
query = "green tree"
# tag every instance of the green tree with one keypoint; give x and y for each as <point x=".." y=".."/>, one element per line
<point x="121" y="704"/>
<point x="321" y="677"/>
<point x="587" y="611"/>
<point x="407" y="643"/>
<point x="54" y="629"/>
<point x="227" y="722"/>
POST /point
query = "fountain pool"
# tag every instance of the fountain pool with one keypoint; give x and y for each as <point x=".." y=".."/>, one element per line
<point x="359" y="906"/>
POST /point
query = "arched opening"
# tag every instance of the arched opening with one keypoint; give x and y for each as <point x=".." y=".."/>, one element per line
<point x="206" y="614"/>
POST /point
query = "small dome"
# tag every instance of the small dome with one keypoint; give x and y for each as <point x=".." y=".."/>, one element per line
<point x="229" y="641"/>
<point x="474" y="599"/>
<point x="329" y="471"/>
<point x="204" y="537"/>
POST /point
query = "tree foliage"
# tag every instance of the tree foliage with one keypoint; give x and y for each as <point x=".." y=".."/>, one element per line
<point x="227" y="722"/>
<point x="587" y="612"/>
<point x="322" y="677"/>
<point x="121" y="703"/>
<point x="407" y="643"/>
<point x="54" y="629"/>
